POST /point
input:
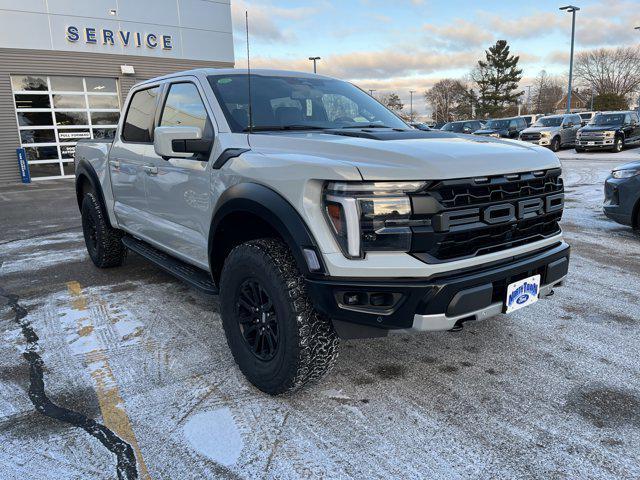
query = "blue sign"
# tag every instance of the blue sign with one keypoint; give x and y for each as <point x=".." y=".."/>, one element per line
<point x="23" y="165"/>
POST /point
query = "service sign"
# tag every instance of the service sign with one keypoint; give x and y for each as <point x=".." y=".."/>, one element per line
<point x="73" y="135"/>
<point x="125" y="38"/>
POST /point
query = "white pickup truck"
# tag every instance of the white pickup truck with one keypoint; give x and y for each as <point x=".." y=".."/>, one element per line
<point x="316" y="213"/>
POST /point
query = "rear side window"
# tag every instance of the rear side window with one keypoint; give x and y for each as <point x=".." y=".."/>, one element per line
<point x="139" y="120"/>
<point x="184" y="107"/>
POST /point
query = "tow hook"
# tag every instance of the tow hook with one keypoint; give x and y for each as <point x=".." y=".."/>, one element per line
<point x="457" y="327"/>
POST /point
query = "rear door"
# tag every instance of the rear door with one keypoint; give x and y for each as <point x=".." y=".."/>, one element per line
<point x="179" y="189"/>
<point x="126" y="159"/>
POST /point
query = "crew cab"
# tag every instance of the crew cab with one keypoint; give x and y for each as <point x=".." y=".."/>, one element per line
<point x="609" y="130"/>
<point x="553" y="132"/>
<point x="315" y="214"/>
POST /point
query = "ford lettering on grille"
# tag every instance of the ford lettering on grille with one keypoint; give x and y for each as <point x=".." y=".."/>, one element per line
<point x="499" y="213"/>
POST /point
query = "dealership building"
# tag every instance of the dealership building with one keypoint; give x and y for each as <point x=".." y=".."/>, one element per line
<point x="66" y="67"/>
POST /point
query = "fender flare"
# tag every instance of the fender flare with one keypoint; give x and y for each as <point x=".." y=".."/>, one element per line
<point x="84" y="169"/>
<point x="275" y="210"/>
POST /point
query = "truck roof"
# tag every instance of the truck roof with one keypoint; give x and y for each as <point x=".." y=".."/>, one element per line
<point x="235" y="71"/>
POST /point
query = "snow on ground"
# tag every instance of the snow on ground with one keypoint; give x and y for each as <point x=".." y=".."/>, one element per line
<point x="551" y="391"/>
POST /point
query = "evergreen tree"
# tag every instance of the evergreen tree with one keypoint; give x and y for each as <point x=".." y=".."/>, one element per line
<point x="497" y="78"/>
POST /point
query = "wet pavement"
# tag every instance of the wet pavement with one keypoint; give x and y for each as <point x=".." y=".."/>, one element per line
<point x="126" y="371"/>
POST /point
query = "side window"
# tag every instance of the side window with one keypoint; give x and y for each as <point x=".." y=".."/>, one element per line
<point x="139" y="119"/>
<point x="513" y="124"/>
<point x="627" y="119"/>
<point x="184" y="107"/>
<point x="576" y="120"/>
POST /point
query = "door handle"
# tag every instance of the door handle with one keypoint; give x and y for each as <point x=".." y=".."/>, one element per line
<point x="114" y="163"/>
<point x="150" y="169"/>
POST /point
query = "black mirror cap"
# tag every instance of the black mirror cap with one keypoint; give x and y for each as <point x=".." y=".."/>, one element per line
<point x="195" y="146"/>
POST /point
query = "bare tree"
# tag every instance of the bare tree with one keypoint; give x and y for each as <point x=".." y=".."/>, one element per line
<point x="609" y="71"/>
<point x="547" y="92"/>
<point x="450" y="99"/>
<point x="392" y="102"/>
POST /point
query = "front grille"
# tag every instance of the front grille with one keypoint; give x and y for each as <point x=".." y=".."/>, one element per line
<point x="462" y="198"/>
<point x="591" y="135"/>
<point x="530" y="136"/>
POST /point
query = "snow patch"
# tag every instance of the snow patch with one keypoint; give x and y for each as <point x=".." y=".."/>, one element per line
<point x="215" y="435"/>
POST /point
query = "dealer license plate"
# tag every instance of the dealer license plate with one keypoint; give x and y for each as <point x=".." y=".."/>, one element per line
<point x="522" y="293"/>
<point x="591" y="143"/>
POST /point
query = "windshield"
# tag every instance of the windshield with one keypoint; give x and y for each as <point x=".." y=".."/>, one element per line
<point x="548" y="122"/>
<point x="298" y="103"/>
<point x="497" y="124"/>
<point x="453" y="127"/>
<point x="608" y="119"/>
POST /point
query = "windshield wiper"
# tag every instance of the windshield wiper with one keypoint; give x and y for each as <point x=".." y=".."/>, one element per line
<point x="277" y="128"/>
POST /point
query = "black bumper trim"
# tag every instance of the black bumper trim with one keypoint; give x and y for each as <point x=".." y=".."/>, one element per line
<point x="436" y="295"/>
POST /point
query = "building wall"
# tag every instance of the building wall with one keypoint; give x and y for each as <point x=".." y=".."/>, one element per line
<point x="196" y="29"/>
<point x="42" y="62"/>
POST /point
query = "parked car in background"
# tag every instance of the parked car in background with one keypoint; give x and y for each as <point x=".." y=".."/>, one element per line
<point x="532" y="118"/>
<point x="586" y="117"/>
<point x="503" y="127"/>
<point x="421" y="126"/>
<point x="622" y="195"/>
<point x="438" y="125"/>
<point x="463" y="126"/>
<point x="554" y="131"/>
<point x="609" y="130"/>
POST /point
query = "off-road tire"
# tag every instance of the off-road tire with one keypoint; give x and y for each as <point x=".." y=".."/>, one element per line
<point x="307" y="344"/>
<point x="618" y="145"/>
<point x="555" y="144"/>
<point x="104" y="243"/>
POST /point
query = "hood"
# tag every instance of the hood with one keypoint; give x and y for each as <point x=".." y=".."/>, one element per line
<point x="541" y="129"/>
<point x="628" y="166"/>
<point x="432" y="156"/>
<point x="600" y="128"/>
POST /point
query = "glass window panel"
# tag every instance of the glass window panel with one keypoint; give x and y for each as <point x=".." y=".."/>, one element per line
<point x="68" y="151"/>
<point x="68" y="168"/>
<point x="32" y="101"/>
<point x="32" y="119"/>
<point x="71" y="118"/>
<point x="102" y="85"/>
<point x="66" y="84"/>
<point x="69" y="101"/>
<point x="104" y="133"/>
<point x="41" y="153"/>
<point x="137" y="126"/>
<point x="29" y="82"/>
<point x="73" y="134"/>
<point x="37" y="136"/>
<point x="103" y="101"/>
<point x="104" y="118"/>
<point x="184" y="107"/>
<point x="44" y="170"/>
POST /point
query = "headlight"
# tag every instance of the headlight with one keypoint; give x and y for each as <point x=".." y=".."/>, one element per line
<point x="609" y="134"/>
<point x="627" y="173"/>
<point x="545" y="133"/>
<point x="371" y="216"/>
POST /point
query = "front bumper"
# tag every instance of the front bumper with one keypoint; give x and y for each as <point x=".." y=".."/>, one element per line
<point x="595" y="144"/>
<point x="439" y="302"/>
<point x="620" y="198"/>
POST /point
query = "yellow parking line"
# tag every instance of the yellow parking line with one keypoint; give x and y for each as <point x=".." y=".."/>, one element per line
<point x="114" y="415"/>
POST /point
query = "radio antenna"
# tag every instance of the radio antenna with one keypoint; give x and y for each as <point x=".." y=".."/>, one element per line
<point x="246" y="23"/>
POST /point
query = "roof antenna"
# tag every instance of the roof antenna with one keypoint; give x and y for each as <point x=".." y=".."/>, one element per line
<point x="246" y="22"/>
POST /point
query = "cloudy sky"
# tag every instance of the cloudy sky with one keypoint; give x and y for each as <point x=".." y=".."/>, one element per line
<point x="404" y="45"/>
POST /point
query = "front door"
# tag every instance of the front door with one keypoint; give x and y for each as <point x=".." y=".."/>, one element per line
<point x="126" y="161"/>
<point x="179" y="189"/>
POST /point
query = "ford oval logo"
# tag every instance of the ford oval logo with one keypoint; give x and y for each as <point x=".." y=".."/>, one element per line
<point x="522" y="298"/>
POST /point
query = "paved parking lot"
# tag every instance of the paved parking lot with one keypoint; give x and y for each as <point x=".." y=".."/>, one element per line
<point x="126" y="371"/>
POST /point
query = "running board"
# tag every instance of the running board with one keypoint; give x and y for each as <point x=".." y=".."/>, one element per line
<point x="194" y="276"/>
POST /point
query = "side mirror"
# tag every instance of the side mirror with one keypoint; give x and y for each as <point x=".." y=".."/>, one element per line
<point x="466" y="129"/>
<point x="180" y="142"/>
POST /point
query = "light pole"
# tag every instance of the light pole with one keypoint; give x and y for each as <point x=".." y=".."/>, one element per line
<point x="371" y="92"/>
<point x="571" y="9"/>
<point x="528" y="87"/>
<point x="411" y="92"/>
<point x="314" y="60"/>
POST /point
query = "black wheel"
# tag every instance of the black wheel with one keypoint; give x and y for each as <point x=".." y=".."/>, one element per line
<point x="104" y="243"/>
<point x="275" y="335"/>
<point x="555" y="144"/>
<point x="618" y="145"/>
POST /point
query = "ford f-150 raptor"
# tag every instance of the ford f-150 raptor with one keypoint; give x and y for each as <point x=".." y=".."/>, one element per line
<point x="316" y="213"/>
